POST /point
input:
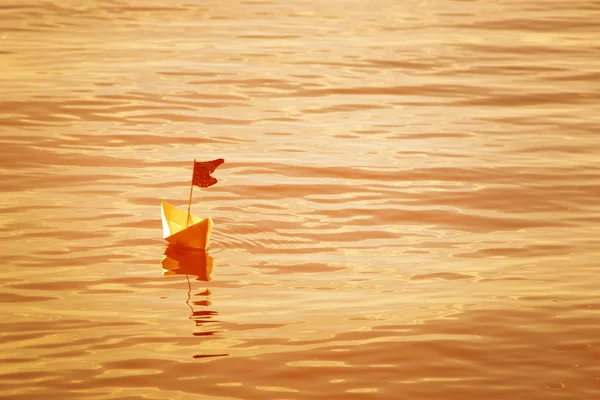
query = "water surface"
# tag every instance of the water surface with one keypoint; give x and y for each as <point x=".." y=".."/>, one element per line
<point x="408" y="206"/>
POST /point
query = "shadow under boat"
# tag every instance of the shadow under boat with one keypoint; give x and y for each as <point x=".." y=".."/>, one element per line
<point x="183" y="261"/>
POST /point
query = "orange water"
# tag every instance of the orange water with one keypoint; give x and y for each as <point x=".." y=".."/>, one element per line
<point x="408" y="207"/>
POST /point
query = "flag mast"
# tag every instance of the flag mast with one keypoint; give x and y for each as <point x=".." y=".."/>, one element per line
<point x="190" y="201"/>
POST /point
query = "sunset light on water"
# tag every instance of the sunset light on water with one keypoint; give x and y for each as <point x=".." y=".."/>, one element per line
<point x="408" y="205"/>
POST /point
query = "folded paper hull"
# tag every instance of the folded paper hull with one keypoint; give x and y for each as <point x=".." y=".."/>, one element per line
<point x="177" y="232"/>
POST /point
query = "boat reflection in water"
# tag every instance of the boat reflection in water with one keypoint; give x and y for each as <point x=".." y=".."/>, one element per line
<point x="181" y="261"/>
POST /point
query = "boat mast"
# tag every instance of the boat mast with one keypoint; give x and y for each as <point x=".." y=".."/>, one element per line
<point x="190" y="201"/>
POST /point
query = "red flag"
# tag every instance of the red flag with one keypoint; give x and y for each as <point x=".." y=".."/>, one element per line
<point x="202" y="171"/>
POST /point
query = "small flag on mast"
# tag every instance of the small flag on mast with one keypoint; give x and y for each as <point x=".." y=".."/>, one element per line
<point x="202" y="171"/>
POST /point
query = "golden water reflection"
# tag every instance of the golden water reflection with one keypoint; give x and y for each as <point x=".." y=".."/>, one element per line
<point x="410" y="201"/>
<point x="198" y="263"/>
<point x="180" y="261"/>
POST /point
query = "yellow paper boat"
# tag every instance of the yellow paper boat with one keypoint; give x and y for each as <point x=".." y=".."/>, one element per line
<point x="177" y="232"/>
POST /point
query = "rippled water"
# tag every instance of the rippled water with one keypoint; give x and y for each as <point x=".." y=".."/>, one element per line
<point x="408" y="207"/>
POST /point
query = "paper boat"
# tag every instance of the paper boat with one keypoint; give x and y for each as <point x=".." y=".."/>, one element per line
<point x="177" y="232"/>
<point x="180" y="261"/>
